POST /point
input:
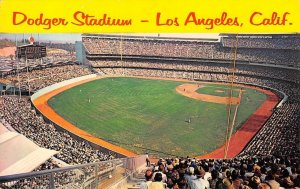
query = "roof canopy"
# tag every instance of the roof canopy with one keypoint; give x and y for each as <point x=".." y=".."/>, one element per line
<point x="19" y="154"/>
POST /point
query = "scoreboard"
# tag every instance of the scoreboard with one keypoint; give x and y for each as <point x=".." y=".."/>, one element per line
<point x="31" y="51"/>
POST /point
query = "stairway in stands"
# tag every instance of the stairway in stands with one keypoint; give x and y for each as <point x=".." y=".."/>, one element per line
<point x="135" y="181"/>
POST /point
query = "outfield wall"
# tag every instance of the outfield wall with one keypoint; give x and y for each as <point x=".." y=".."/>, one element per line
<point x="59" y="85"/>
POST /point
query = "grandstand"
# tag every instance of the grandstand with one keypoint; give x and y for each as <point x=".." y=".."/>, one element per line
<point x="133" y="47"/>
<point x="279" y="41"/>
<point x="268" y="61"/>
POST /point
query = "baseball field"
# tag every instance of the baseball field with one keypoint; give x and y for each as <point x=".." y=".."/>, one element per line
<point x="141" y="115"/>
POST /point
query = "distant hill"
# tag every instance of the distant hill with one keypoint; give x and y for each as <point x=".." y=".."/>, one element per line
<point x="6" y="43"/>
<point x="7" y="51"/>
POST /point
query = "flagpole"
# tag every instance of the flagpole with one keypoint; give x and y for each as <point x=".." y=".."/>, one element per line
<point x="18" y="68"/>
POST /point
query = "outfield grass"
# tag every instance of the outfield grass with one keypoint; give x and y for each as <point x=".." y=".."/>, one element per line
<point x="143" y="113"/>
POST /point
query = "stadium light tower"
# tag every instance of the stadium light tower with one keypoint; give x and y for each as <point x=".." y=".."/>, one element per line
<point x="231" y="121"/>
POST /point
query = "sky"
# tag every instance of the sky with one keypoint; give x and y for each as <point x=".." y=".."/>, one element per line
<point x="44" y="37"/>
<point x="71" y="38"/>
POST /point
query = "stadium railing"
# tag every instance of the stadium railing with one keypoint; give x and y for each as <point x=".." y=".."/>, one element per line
<point x="93" y="175"/>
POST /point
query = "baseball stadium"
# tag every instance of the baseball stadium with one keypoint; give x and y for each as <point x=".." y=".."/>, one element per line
<point x="134" y="111"/>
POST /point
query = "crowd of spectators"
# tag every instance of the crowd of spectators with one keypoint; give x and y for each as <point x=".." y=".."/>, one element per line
<point x="256" y="172"/>
<point x="281" y="132"/>
<point x="187" y="49"/>
<point x="39" y="78"/>
<point x="246" y="69"/>
<point x="291" y="43"/>
<point x="59" y="57"/>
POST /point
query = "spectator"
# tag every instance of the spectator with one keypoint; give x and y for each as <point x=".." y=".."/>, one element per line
<point x="147" y="183"/>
